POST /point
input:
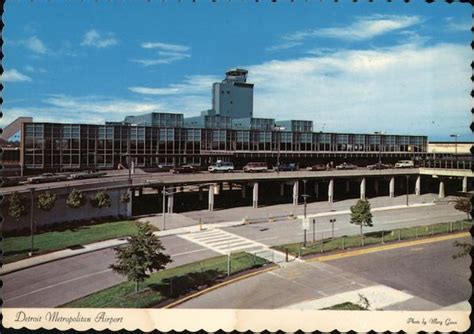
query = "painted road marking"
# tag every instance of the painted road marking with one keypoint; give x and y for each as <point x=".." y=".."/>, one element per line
<point x="58" y="284"/>
<point x="223" y="242"/>
<point x="389" y="247"/>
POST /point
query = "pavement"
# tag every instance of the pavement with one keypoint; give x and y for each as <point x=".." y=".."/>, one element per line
<point x="54" y="283"/>
<point x="407" y="278"/>
<point x="184" y="224"/>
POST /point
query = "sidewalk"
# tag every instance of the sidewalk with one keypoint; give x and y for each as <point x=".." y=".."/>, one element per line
<point x="53" y="256"/>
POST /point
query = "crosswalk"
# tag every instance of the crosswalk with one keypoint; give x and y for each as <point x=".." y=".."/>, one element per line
<point x="224" y="242"/>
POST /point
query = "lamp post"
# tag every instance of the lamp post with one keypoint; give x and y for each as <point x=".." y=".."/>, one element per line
<point x="305" y="196"/>
<point x="332" y="221"/>
<point x="408" y="177"/>
<point x="164" y="207"/>
<point x="278" y="139"/>
<point x="32" y="208"/>
<point x="455" y="136"/>
<point x="380" y="133"/>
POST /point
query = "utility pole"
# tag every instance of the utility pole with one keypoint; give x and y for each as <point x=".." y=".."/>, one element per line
<point x="332" y="221"/>
<point x="164" y="208"/>
<point x="32" y="210"/>
<point x="305" y="196"/>
<point x="408" y="184"/>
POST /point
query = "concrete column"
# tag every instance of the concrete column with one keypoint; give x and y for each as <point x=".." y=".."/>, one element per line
<point x="200" y="194"/>
<point x="295" y="192"/>
<point x="464" y="184"/>
<point x="348" y="186"/>
<point x="441" y="189"/>
<point x="243" y="190"/>
<point x="316" y="189"/>
<point x="376" y="186"/>
<point x="362" y="189"/>
<point x="211" y="198"/>
<point x="331" y="191"/>
<point x="170" y="203"/>
<point x="418" y="186"/>
<point x="230" y="186"/>
<point x="255" y="195"/>
<point x="140" y="191"/>
<point x="391" y="191"/>
<point x="282" y="189"/>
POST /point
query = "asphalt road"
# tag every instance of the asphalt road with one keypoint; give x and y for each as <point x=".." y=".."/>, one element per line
<point x="58" y="282"/>
<point x="204" y="176"/>
<point x="427" y="272"/>
<point x="55" y="283"/>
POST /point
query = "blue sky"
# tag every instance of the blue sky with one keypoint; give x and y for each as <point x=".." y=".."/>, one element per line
<point x="364" y="67"/>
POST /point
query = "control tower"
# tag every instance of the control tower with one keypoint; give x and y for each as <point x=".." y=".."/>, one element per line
<point x="233" y="96"/>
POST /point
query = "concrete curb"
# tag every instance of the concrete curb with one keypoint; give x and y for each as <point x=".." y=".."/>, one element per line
<point x="220" y="285"/>
<point x="395" y="245"/>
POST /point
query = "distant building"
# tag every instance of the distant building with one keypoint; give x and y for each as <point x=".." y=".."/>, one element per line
<point x="461" y="148"/>
<point x="156" y="119"/>
<point x="12" y="132"/>
<point x="233" y="97"/>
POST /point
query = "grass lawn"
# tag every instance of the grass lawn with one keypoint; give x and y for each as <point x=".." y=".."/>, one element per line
<point x="168" y="284"/>
<point x="372" y="238"/>
<point x="348" y="306"/>
<point x="17" y="248"/>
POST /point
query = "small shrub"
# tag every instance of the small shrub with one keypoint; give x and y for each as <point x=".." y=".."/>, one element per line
<point x="16" y="206"/>
<point x="101" y="200"/>
<point x="76" y="199"/>
<point x="46" y="201"/>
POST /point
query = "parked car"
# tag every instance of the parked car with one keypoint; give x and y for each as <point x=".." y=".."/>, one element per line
<point x="89" y="174"/>
<point x="346" y="165"/>
<point x="47" y="177"/>
<point x="287" y="167"/>
<point x="405" y="164"/>
<point x="318" y="167"/>
<point x="255" y="167"/>
<point x="7" y="182"/>
<point x="378" y="165"/>
<point x="183" y="169"/>
<point x="221" y="166"/>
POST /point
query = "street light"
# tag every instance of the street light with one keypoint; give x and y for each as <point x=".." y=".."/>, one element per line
<point x="305" y="196"/>
<point x="32" y="208"/>
<point x="332" y="221"/>
<point x="408" y="177"/>
<point x="380" y="145"/>
<point x="455" y="136"/>
<point x="278" y="137"/>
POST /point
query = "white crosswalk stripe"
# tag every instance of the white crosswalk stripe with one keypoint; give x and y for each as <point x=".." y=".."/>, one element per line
<point x="224" y="242"/>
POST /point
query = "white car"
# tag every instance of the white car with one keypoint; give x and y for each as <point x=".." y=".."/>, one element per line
<point x="221" y="166"/>
<point x="405" y="164"/>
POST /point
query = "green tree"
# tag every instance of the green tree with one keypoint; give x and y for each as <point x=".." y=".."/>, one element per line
<point x="16" y="206"/>
<point x="361" y="215"/>
<point x="463" y="204"/>
<point x="76" y="199"/>
<point x="141" y="256"/>
<point x="100" y="200"/>
<point x="46" y="201"/>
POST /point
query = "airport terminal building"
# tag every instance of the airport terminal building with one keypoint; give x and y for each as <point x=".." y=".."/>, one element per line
<point x="229" y="131"/>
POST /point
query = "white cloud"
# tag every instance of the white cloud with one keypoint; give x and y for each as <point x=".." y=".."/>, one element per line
<point x="32" y="69"/>
<point x="364" y="28"/>
<point x="166" y="47"/>
<point x="14" y="76"/>
<point x="166" y="53"/>
<point x="195" y="84"/>
<point x="457" y="26"/>
<point x="34" y="44"/>
<point x="95" y="39"/>
<point x="403" y="89"/>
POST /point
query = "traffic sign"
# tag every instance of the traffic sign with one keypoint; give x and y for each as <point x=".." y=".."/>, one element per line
<point x="305" y="223"/>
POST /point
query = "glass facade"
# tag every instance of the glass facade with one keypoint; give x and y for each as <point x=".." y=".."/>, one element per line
<point x="74" y="146"/>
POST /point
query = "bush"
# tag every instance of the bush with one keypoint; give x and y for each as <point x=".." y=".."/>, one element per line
<point x="16" y="206"/>
<point x="101" y="200"/>
<point x="46" y="201"/>
<point x="76" y="199"/>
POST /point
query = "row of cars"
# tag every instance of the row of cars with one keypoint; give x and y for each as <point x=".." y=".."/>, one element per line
<point x="253" y="167"/>
<point x="52" y="177"/>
